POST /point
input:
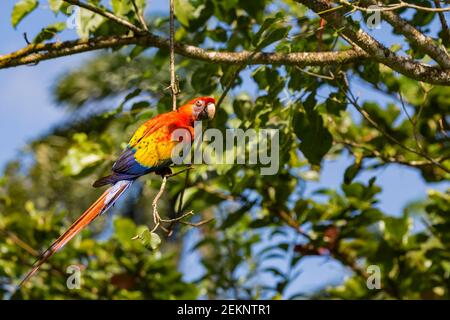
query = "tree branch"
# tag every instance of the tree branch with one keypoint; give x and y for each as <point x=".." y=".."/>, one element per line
<point x="425" y="43"/>
<point x="35" y="53"/>
<point x="140" y="15"/>
<point x="395" y="6"/>
<point x="404" y="65"/>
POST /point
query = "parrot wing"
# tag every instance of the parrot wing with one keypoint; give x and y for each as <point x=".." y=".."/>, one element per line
<point x="151" y="146"/>
<point x="149" y="150"/>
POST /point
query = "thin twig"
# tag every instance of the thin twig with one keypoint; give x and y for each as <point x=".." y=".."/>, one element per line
<point x="339" y="255"/>
<point x="415" y="37"/>
<point x="377" y="154"/>
<point x="197" y="224"/>
<point x="180" y="203"/>
<point x="189" y="167"/>
<point x="25" y="246"/>
<point x="444" y="24"/>
<point x="354" y="102"/>
<point x="187" y="214"/>
<point x="156" y="216"/>
<point x="140" y="15"/>
<point x="394" y="6"/>
<point x="229" y="85"/>
<point x="173" y="79"/>
<point x="365" y="41"/>
<point x="441" y="126"/>
<point x="158" y="221"/>
<point x="291" y="222"/>
<point x="413" y="121"/>
<point x="186" y="181"/>
<point x="207" y="188"/>
<point x="313" y="74"/>
<point x="25" y="36"/>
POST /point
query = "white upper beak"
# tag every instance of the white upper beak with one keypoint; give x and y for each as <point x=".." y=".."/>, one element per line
<point x="211" y="109"/>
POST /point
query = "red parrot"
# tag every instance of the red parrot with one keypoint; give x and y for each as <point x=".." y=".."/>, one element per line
<point x="149" y="150"/>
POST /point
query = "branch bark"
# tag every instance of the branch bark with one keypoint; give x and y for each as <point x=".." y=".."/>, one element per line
<point x="396" y="6"/>
<point x="425" y="43"/>
<point x="35" y="53"/>
<point x="377" y="51"/>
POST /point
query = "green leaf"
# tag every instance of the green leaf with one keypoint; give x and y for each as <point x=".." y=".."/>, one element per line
<point x="144" y="114"/>
<point x="336" y="103"/>
<point x="203" y="79"/>
<point x="124" y="230"/>
<point x="310" y="102"/>
<point x="371" y="72"/>
<point x="55" y="5"/>
<point x="21" y="10"/>
<point x="121" y="7"/>
<point x="88" y="22"/>
<point x="274" y="36"/>
<point x="185" y="11"/>
<point x="140" y="105"/>
<point x="275" y="271"/>
<point x="396" y="229"/>
<point x="137" y="50"/>
<point x="133" y="94"/>
<point x="355" y="190"/>
<point x="315" y="138"/>
<point x="272" y="30"/>
<point x="234" y="217"/>
<point x="266" y="25"/>
<point x="150" y="240"/>
<point x="351" y="172"/>
<point x="228" y="74"/>
<point x="396" y="47"/>
<point x="81" y="156"/>
<point x="219" y="34"/>
<point x="259" y="223"/>
<point x="49" y="32"/>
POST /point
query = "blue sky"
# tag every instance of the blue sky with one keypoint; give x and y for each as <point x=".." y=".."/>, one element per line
<point x="27" y="110"/>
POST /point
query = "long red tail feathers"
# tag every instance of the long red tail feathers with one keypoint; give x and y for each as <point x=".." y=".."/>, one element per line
<point x="103" y="203"/>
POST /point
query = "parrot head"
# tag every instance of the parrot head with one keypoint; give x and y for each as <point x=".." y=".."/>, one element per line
<point x="203" y="108"/>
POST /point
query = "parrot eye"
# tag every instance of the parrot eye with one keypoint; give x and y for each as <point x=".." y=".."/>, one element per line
<point x="199" y="103"/>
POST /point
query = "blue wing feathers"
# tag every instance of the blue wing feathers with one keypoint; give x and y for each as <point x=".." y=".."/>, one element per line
<point x="127" y="168"/>
<point x="127" y="164"/>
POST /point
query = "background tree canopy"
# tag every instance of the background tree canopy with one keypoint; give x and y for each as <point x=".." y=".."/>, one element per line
<point x="296" y="66"/>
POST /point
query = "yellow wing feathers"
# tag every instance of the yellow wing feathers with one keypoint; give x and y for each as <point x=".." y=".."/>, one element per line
<point x="155" y="149"/>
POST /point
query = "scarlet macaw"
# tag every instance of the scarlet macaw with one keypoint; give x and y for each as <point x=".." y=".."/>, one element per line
<point x="149" y="150"/>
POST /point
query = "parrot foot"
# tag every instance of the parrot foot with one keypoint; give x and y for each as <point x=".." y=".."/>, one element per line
<point x="163" y="172"/>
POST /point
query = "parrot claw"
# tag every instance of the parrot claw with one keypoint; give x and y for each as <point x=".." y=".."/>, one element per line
<point x="163" y="172"/>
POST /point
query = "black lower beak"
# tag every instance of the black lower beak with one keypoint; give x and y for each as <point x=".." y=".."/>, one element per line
<point x="204" y="114"/>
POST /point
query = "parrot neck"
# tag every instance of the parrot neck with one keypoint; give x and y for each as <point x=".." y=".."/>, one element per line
<point x="185" y="114"/>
